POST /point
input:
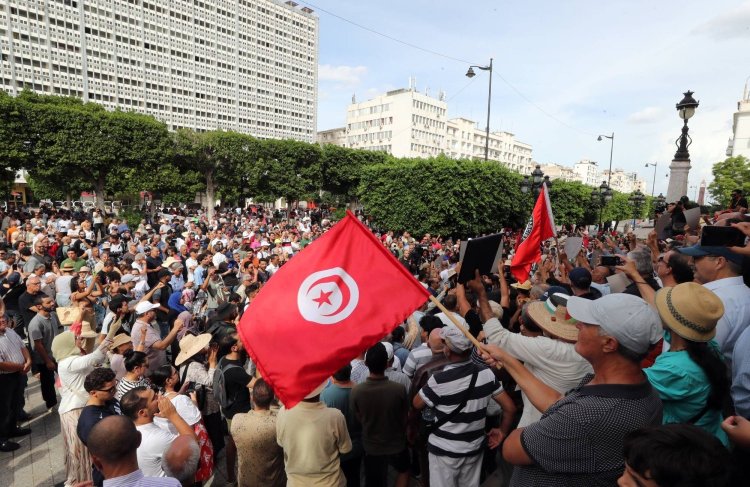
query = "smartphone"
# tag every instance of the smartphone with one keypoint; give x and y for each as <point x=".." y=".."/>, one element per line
<point x="712" y="236"/>
<point x="609" y="260"/>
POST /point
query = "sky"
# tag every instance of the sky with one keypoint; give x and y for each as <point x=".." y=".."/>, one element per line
<point x="564" y="72"/>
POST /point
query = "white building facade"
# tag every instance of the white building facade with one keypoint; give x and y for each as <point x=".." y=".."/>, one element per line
<point x="739" y="144"/>
<point x="406" y="123"/>
<point x="244" y="65"/>
<point x="402" y="122"/>
<point x="587" y="172"/>
<point x="466" y="141"/>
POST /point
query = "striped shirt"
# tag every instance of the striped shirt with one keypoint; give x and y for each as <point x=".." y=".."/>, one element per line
<point x="10" y="349"/>
<point x="463" y="434"/>
<point x="125" y="385"/>
<point x="417" y="357"/>
<point x="137" y="479"/>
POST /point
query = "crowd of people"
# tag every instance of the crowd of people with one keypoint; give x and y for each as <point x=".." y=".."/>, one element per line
<point x="626" y="363"/>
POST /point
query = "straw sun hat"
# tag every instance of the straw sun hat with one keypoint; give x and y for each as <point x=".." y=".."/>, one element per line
<point x="120" y="339"/>
<point x="554" y="318"/>
<point x="191" y="345"/>
<point x="690" y="310"/>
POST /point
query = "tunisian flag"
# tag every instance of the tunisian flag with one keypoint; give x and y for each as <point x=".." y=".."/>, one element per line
<point x="540" y="228"/>
<point x="335" y="299"/>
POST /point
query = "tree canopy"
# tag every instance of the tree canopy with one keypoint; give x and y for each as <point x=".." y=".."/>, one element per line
<point x="730" y="174"/>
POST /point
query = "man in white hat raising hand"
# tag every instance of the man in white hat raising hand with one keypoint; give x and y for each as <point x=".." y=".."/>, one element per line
<point x="156" y="347"/>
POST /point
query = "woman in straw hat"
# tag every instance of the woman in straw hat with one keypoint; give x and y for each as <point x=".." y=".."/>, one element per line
<point x="691" y="377"/>
<point x="73" y="365"/>
<point x="196" y="363"/>
<point x="549" y="355"/>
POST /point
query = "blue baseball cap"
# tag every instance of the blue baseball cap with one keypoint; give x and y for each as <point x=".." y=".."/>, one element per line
<point x="704" y="250"/>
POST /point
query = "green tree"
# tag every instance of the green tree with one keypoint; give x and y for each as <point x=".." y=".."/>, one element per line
<point x="570" y="201"/>
<point x="73" y="141"/>
<point x="442" y="196"/>
<point x="222" y="158"/>
<point x="286" y="169"/>
<point x="619" y="209"/>
<point x="341" y="169"/>
<point x="15" y="139"/>
<point x="730" y="174"/>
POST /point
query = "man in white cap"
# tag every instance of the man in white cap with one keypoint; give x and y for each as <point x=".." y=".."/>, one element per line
<point x="579" y="439"/>
<point x="156" y="347"/>
<point x="458" y="397"/>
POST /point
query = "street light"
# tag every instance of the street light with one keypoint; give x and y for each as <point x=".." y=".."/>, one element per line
<point x="470" y="74"/>
<point x="685" y="110"/>
<point x="636" y="199"/>
<point x="653" y="185"/>
<point x="605" y="196"/>
<point x="534" y="184"/>
<point x="659" y="205"/>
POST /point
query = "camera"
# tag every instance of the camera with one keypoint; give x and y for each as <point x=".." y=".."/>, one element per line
<point x="609" y="260"/>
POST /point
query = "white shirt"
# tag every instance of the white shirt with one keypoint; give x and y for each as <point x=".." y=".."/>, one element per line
<point x="218" y="258"/>
<point x="185" y="408"/>
<point x="191" y="264"/>
<point x="554" y="362"/>
<point x="154" y="444"/>
<point x="736" y="299"/>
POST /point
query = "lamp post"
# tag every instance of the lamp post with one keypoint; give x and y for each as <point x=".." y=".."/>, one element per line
<point x="470" y="74"/>
<point x="605" y="196"/>
<point x="605" y="189"/>
<point x="680" y="167"/>
<point x="659" y="205"/>
<point x="653" y="184"/>
<point x="685" y="109"/>
<point x="636" y="199"/>
<point x="534" y="184"/>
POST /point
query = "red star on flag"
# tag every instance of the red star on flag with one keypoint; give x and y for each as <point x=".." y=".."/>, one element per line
<point x="323" y="298"/>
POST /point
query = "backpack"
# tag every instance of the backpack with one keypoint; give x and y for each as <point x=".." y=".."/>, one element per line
<point x="219" y="387"/>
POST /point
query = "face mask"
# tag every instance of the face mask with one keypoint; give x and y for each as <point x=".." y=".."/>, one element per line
<point x="668" y="336"/>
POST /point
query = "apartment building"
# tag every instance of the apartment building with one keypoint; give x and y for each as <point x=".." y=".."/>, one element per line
<point x="243" y="65"/>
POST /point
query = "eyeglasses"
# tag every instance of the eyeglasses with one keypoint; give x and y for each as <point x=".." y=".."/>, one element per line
<point x="111" y="389"/>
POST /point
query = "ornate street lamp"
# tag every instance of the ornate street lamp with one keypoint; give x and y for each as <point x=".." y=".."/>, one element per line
<point x="685" y="110"/>
<point x="470" y="74"/>
<point x="636" y="199"/>
<point x="525" y="184"/>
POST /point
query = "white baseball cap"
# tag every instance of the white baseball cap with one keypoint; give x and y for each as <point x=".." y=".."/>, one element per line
<point x="144" y="307"/>
<point x="627" y="318"/>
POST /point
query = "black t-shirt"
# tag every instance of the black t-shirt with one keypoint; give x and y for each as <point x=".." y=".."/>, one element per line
<point x="90" y="415"/>
<point x="26" y="301"/>
<point x="235" y="383"/>
<point x="11" y="296"/>
<point x="153" y="263"/>
<point x="740" y="203"/>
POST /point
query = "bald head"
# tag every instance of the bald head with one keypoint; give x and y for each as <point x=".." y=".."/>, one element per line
<point x="181" y="459"/>
<point x="435" y="342"/>
<point x="113" y="439"/>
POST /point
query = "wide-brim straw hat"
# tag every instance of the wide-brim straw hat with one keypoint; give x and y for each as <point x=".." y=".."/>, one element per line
<point x="191" y="345"/>
<point x="555" y="320"/>
<point x="87" y="331"/>
<point x="120" y="339"/>
<point x="690" y="310"/>
<point x="526" y="285"/>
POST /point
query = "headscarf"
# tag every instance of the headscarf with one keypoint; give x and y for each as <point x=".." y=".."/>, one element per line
<point x="64" y="346"/>
<point x="189" y="327"/>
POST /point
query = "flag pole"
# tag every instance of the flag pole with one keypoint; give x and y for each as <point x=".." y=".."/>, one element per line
<point x="455" y="322"/>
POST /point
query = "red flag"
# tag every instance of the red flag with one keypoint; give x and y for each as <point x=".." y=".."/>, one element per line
<point x="540" y="228"/>
<point x="336" y="298"/>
